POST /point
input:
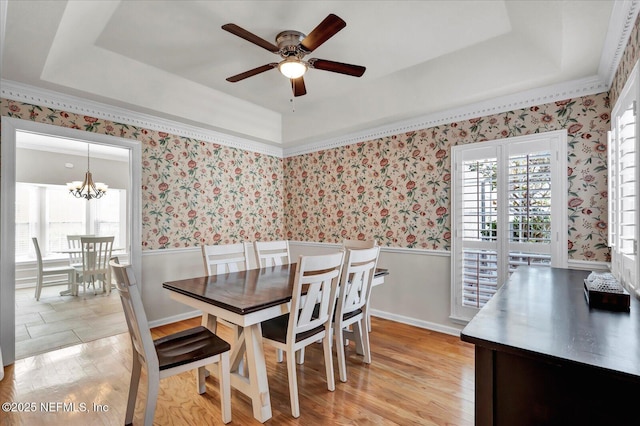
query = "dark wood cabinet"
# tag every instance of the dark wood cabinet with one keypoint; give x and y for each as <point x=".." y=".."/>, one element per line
<point x="543" y="357"/>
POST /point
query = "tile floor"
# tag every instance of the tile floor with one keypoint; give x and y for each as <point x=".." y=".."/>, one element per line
<point x="57" y="321"/>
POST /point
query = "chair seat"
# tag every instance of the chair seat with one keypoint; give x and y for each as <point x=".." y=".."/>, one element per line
<point x="276" y="329"/>
<point x="350" y="315"/>
<point x="345" y="317"/>
<point x="188" y="346"/>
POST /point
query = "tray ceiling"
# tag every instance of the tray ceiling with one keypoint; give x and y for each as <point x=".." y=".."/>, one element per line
<point x="170" y="59"/>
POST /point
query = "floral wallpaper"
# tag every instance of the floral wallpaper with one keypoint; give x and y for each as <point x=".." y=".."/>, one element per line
<point x="397" y="189"/>
<point x="193" y="192"/>
<point x="394" y="189"/>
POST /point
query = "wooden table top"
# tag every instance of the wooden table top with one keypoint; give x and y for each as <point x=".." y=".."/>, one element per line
<point x="543" y="312"/>
<point x="243" y="292"/>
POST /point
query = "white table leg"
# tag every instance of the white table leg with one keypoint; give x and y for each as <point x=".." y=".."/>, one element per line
<point x="258" y="384"/>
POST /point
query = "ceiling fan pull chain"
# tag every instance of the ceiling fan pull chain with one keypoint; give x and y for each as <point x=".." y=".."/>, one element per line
<point x="293" y="104"/>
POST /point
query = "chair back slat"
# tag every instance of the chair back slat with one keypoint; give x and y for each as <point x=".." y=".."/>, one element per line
<point x="359" y="244"/>
<point x="38" y="253"/>
<point x="74" y="243"/>
<point x="271" y="253"/>
<point x="320" y="276"/>
<point x="134" y="313"/>
<point x="96" y="254"/>
<point x="225" y="258"/>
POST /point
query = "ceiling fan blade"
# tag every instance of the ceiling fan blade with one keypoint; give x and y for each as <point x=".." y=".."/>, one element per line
<point x="339" y="67"/>
<point x="323" y="32"/>
<point x="250" y="37"/>
<point x="297" y="84"/>
<point x="252" y="72"/>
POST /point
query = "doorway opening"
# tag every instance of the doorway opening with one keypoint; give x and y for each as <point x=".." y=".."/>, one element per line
<point x="37" y="161"/>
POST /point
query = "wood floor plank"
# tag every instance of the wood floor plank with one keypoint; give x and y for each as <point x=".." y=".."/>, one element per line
<point x="417" y="377"/>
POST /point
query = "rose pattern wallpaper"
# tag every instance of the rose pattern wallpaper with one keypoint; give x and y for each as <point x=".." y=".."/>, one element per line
<point x="193" y="192"/>
<point x="394" y="189"/>
<point x="397" y="189"/>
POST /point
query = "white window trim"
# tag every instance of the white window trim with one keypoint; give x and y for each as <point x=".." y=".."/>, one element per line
<point x="625" y="267"/>
<point x="505" y="147"/>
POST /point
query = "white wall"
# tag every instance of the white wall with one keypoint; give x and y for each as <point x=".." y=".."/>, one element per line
<point x="417" y="290"/>
<point x="35" y="166"/>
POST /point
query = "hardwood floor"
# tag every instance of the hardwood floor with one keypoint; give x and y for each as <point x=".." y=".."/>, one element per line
<point x="416" y="377"/>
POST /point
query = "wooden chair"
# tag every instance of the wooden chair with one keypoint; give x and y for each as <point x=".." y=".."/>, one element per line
<point x="353" y="304"/>
<point x="96" y="253"/>
<point x="74" y="243"/>
<point x="220" y="259"/>
<point x="223" y="259"/>
<point x="306" y="324"/>
<point x="43" y="272"/>
<point x="271" y="253"/>
<point x="170" y="355"/>
<point x="359" y="244"/>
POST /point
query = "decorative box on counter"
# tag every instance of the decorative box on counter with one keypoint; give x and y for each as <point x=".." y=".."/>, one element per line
<point x="602" y="290"/>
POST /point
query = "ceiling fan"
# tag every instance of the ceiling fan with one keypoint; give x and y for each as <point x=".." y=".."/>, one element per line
<point x="293" y="46"/>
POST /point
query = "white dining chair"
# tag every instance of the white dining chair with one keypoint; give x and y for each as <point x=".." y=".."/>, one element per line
<point x="274" y="253"/>
<point x="186" y="350"/>
<point x="96" y="253"/>
<point x="56" y="270"/>
<point x="224" y="258"/>
<point x="350" y="318"/>
<point x="359" y="244"/>
<point x="271" y="253"/>
<point x="306" y="324"/>
<point x="75" y="247"/>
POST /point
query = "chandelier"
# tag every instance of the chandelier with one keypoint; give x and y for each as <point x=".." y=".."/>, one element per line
<point x="87" y="188"/>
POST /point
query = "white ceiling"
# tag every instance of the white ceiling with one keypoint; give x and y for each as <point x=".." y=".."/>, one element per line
<point x="170" y="58"/>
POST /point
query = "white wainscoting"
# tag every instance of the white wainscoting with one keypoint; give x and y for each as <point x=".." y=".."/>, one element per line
<point x="416" y="292"/>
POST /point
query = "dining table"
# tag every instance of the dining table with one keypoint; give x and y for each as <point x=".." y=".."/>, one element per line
<point x="245" y="298"/>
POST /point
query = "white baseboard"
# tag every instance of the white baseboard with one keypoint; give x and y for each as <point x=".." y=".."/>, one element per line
<point x="416" y="323"/>
<point x="174" y="318"/>
<point x="380" y="314"/>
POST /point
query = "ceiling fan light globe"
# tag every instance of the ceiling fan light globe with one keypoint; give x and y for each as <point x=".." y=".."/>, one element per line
<point x="292" y="68"/>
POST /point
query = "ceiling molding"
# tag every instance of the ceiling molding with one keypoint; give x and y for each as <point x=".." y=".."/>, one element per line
<point x="623" y="18"/>
<point x="28" y="94"/>
<point x="557" y="92"/>
<point x="621" y="24"/>
<point x="43" y="97"/>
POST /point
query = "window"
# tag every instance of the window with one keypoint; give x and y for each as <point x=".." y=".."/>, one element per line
<point x="508" y="199"/>
<point x="623" y="184"/>
<point x="49" y="213"/>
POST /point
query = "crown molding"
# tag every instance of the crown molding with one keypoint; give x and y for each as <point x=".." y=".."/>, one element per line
<point x="621" y="23"/>
<point x="44" y="97"/>
<point x="582" y="87"/>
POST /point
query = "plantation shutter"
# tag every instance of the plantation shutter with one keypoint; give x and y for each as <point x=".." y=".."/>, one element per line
<point x="623" y="184"/>
<point x="503" y="214"/>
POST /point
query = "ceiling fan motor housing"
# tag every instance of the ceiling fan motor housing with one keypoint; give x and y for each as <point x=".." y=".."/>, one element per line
<point x="289" y="43"/>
